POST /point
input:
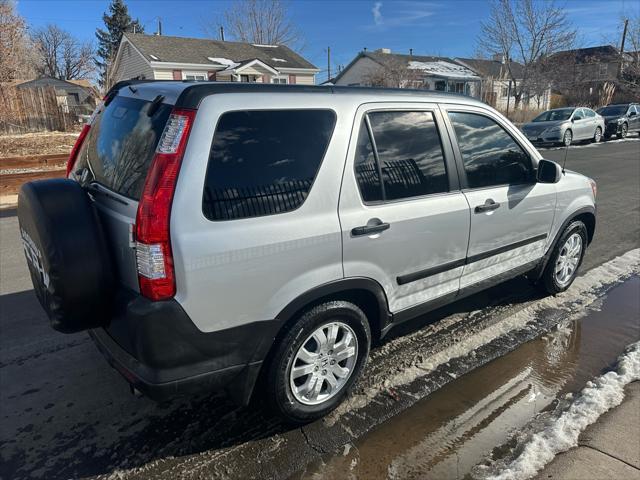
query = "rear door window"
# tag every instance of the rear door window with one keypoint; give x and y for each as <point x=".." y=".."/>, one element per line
<point x="263" y="162"/>
<point x="121" y="144"/>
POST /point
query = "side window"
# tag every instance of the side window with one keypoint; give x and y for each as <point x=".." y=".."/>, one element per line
<point x="588" y="112"/>
<point x="578" y="114"/>
<point x="264" y="162"/>
<point x="410" y="154"/>
<point x="490" y="155"/>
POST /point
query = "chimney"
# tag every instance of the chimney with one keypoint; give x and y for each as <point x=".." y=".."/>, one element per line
<point x="384" y="50"/>
<point x="411" y="52"/>
<point x="498" y="57"/>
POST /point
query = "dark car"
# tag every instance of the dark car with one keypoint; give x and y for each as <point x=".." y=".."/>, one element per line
<point x="621" y="119"/>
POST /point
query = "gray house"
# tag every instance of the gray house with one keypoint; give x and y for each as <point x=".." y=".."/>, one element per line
<point x="71" y="97"/>
<point x="176" y="58"/>
<point x="383" y="68"/>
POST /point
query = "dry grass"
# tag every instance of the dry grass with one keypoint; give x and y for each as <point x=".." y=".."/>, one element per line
<point x="37" y="143"/>
<point x="522" y="116"/>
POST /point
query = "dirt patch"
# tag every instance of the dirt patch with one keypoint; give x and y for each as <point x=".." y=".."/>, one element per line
<point x="37" y="143"/>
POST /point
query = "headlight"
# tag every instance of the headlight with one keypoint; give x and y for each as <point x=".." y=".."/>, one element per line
<point x="553" y="129"/>
<point x="620" y="120"/>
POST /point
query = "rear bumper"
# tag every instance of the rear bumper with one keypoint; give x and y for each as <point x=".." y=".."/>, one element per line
<point x="157" y="348"/>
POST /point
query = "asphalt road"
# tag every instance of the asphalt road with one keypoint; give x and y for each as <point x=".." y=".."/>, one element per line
<point x="64" y="413"/>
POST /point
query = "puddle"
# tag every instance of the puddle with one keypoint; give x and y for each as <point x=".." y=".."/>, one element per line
<point x="444" y="435"/>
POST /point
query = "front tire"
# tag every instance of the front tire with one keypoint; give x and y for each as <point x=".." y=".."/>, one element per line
<point x="318" y="361"/>
<point x="562" y="268"/>
<point x="568" y="138"/>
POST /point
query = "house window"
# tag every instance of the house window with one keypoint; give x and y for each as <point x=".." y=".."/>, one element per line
<point x="441" y="85"/>
<point x="457" y="87"/>
<point x="280" y="80"/>
<point x="194" y="76"/>
<point x="602" y="69"/>
<point x="505" y="91"/>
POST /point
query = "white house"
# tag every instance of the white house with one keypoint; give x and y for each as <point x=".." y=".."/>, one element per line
<point x="383" y="68"/>
<point x="176" y="58"/>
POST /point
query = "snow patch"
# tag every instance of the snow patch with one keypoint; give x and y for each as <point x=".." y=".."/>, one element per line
<point x="561" y="431"/>
<point x="223" y="61"/>
<point x="582" y="293"/>
<point x="279" y="60"/>
<point x="443" y="68"/>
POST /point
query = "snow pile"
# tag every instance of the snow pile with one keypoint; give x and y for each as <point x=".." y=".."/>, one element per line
<point x="581" y="294"/>
<point x="561" y="432"/>
<point x="224" y="61"/>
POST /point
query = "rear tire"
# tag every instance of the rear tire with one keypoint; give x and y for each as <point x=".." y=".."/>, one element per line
<point x="597" y="136"/>
<point x="624" y="129"/>
<point x="292" y="394"/>
<point x="565" y="260"/>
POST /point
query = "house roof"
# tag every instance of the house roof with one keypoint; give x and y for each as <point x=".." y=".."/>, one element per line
<point x="590" y="54"/>
<point x="162" y="48"/>
<point x="492" y="68"/>
<point x="437" y="66"/>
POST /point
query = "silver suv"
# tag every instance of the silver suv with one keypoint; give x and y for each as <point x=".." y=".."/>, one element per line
<point x="222" y="236"/>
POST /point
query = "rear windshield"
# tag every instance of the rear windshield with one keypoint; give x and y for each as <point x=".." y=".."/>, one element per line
<point x="554" y="115"/>
<point x="121" y="144"/>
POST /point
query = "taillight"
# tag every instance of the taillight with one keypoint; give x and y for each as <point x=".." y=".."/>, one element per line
<point x="153" y="242"/>
<point x="76" y="148"/>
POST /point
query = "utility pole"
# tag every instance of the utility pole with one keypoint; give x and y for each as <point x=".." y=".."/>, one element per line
<point x="221" y="33"/>
<point x="508" y="97"/>
<point x="328" y="63"/>
<point x="624" y="36"/>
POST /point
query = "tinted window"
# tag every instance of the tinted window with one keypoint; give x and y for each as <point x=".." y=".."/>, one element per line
<point x="121" y="144"/>
<point x="410" y="154"/>
<point x="490" y="155"/>
<point x="264" y="162"/>
<point x="366" y="168"/>
<point x="613" y="110"/>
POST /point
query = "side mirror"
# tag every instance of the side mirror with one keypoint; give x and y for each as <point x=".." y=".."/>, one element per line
<point x="548" y="172"/>
<point x="576" y="118"/>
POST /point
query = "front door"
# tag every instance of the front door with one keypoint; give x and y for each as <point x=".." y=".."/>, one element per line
<point x="404" y="221"/>
<point x="511" y="214"/>
<point x="581" y="125"/>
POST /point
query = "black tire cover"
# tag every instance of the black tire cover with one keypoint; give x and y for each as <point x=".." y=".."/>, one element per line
<point x="67" y="255"/>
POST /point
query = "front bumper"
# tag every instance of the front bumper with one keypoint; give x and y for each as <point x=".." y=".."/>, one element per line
<point x="545" y="138"/>
<point x="158" y="349"/>
<point x="612" y="129"/>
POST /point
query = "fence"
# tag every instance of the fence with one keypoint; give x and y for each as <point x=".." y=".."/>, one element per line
<point x="24" y="110"/>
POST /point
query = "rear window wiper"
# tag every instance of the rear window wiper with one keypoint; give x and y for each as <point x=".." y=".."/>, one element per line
<point x="155" y="104"/>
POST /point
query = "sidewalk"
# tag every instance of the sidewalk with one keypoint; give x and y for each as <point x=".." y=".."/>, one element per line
<point x="608" y="449"/>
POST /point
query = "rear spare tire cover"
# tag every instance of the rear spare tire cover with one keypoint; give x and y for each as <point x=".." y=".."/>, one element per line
<point x="67" y="255"/>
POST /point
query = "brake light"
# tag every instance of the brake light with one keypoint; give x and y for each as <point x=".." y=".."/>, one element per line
<point x="76" y="148"/>
<point x="153" y="242"/>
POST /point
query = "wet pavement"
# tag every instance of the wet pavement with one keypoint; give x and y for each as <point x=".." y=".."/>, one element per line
<point x="446" y="434"/>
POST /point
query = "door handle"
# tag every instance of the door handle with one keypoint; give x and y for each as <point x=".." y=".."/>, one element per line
<point x="488" y="205"/>
<point x="371" y="228"/>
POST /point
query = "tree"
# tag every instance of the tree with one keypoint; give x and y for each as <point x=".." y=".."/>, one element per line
<point x="630" y="71"/>
<point x="525" y="31"/>
<point x="394" y="73"/>
<point x="265" y="22"/>
<point x="118" y="21"/>
<point x="61" y="55"/>
<point x="16" y="55"/>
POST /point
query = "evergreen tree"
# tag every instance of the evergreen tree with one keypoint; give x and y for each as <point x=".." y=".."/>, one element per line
<point x="117" y="21"/>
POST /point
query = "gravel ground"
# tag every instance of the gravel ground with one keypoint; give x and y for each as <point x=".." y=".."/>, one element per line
<point x="37" y="143"/>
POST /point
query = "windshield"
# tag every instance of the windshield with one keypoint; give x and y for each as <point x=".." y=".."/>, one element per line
<point x="613" y="110"/>
<point x="121" y="144"/>
<point x="554" y="115"/>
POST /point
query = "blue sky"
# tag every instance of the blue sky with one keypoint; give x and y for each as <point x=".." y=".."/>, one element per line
<point x="439" y="27"/>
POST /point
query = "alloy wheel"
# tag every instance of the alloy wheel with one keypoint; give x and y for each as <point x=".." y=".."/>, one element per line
<point x="568" y="260"/>
<point x="623" y="130"/>
<point x="568" y="137"/>
<point x="324" y="363"/>
<point x="598" y="135"/>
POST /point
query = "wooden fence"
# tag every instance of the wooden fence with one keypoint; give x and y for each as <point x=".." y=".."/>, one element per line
<point x="25" y="110"/>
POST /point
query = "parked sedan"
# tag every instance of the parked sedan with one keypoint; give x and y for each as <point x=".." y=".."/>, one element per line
<point x="621" y="119"/>
<point x="565" y="125"/>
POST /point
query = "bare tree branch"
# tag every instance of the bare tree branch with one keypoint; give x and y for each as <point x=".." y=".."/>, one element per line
<point x="16" y="53"/>
<point x="61" y="55"/>
<point x="525" y="31"/>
